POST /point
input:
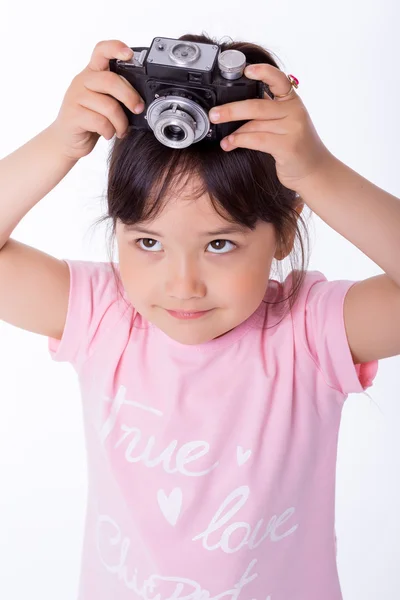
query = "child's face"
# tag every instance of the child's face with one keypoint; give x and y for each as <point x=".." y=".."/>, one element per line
<point x="181" y="267"/>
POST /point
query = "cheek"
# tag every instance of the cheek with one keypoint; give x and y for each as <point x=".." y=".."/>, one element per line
<point x="135" y="276"/>
<point x="249" y="282"/>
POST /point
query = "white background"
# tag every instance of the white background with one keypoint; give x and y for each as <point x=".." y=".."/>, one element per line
<point x="345" y="54"/>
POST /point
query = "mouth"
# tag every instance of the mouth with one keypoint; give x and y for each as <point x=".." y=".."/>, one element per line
<point x="193" y="314"/>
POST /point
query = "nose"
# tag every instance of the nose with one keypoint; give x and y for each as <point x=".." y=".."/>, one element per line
<point x="184" y="281"/>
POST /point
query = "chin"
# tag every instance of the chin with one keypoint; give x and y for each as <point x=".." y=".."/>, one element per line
<point x="189" y="333"/>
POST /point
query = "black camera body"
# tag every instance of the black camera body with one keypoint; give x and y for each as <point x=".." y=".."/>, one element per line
<point x="180" y="81"/>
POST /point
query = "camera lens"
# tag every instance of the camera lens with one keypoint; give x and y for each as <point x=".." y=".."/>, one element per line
<point x="177" y="121"/>
<point x="174" y="133"/>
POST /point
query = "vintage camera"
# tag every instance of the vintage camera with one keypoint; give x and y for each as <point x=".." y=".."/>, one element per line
<point x="180" y="81"/>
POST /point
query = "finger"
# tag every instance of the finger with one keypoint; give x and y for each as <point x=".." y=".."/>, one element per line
<point x="104" y="51"/>
<point x="274" y="127"/>
<point x="275" y="78"/>
<point x="277" y="126"/>
<point x="95" y="123"/>
<point x="261" y="141"/>
<point x="256" y="108"/>
<point x="132" y="90"/>
<point x="114" y="85"/>
<point x="108" y="108"/>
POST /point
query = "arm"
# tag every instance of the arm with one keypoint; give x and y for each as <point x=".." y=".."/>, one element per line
<point x="368" y="217"/>
<point x="26" y="176"/>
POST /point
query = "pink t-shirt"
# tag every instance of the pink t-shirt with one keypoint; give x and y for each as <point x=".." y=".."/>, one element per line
<point x="211" y="467"/>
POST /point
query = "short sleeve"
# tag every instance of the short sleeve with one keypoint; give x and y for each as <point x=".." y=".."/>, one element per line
<point x="325" y="336"/>
<point x="93" y="308"/>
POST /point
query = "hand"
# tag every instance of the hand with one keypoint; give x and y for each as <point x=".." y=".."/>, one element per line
<point x="280" y="127"/>
<point x="90" y="107"/>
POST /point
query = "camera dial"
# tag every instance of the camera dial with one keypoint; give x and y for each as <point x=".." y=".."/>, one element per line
<point x="184" y="53"/>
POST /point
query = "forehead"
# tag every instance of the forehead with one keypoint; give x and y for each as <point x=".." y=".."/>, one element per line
<point x="194" y="216"/>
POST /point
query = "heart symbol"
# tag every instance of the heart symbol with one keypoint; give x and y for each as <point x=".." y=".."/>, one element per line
<point x="242" y="456"/>
<point x="170" y="505"/>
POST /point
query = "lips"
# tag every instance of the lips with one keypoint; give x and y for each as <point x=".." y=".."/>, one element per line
<point x="196" y="314"/>
<point x="189" y="312"/>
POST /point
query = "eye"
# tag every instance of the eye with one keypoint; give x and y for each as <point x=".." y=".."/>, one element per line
<point x="149" y="245"/>
<point x="221" y="245"/>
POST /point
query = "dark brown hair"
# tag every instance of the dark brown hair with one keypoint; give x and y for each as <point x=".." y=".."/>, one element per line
<point x="242" y="184"/>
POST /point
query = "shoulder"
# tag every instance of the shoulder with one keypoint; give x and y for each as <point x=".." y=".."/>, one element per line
<point x="99" y="280"/>
<point x="291" y="295"/>
<point x="97" y="303"/>
<point x="317" y="322"/>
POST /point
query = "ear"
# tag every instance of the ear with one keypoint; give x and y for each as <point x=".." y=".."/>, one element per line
<point x="285" y="246"/>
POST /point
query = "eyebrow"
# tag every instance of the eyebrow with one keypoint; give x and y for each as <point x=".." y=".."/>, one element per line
<point x="221" y="231"/>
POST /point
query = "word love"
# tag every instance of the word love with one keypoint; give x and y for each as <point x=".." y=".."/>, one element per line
<point x="249" y="536"/>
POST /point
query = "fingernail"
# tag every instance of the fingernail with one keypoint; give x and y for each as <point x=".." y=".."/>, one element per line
<point x="249" y="71"/>
<point x="126" y="53"/>
<point x="214" y="114"/>
<point x="139" y="108"/>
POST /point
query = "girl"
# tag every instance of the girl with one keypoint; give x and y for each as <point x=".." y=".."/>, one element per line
<point x="212" y="392"/>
